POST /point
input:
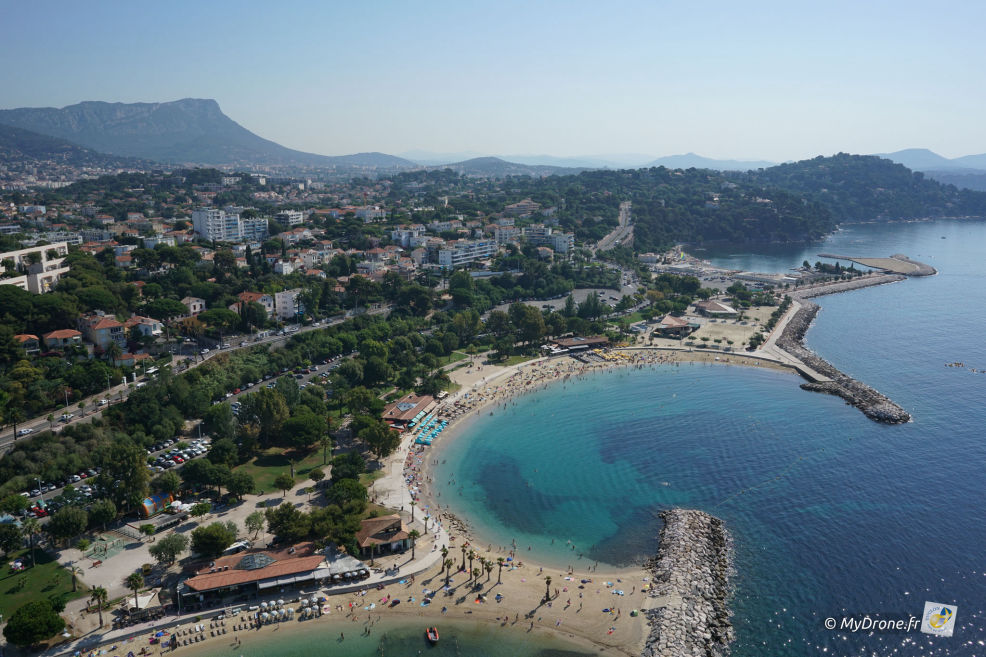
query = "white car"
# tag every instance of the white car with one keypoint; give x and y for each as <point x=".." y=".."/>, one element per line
<point x="24" y="432"/>
<point x="104" y="402"/>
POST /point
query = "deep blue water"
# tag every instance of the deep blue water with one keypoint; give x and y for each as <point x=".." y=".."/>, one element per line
<point x="832" y="514"/>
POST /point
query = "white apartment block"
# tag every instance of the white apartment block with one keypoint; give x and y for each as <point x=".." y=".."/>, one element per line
<point x="457" y="254"/>
<point x="371" y="213"/>
<point x="287" y="304"/>
<point x="217" y="225"/>
<point x="405" y="234"/>
<point x="40" y="267"/>
<point x="504" y="234"/>
<point x="290" y="217"/>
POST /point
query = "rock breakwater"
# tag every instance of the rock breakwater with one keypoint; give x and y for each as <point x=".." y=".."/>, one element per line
<point x="873" y="404"/>
<point x="690" y="588"/>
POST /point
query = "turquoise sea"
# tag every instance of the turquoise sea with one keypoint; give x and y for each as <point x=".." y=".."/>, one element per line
<point x="832" y="514"/>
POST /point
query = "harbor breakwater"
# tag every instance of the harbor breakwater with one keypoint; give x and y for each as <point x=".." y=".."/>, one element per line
<point x="872" y="403"/>
<point x="690" y="588"/>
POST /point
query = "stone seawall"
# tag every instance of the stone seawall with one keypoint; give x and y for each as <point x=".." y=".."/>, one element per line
<point x="873" y="404"/>
<point x="690" y="588"/>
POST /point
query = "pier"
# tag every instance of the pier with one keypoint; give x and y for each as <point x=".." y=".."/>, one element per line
<point x="895" y="264"/>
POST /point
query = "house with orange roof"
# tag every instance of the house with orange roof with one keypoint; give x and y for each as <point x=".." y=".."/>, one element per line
<point x="103" y="330"/>
<point x="28" y="342"/>
<point x="62" y="338"/>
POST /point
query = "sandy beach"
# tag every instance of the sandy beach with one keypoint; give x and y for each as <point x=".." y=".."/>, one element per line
<point x="517" y="603"/>
<point x="593" y="605"/>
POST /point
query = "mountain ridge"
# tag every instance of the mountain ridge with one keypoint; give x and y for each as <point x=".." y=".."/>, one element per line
<point x="186" y="131"/>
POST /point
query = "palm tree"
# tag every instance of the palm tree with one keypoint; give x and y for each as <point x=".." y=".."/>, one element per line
<point x="472" y="555"/>
<point x="75" y="571"/>
<point x="499" y="562"/>
<point x="547" y="588"/>
<point x="413" y="504"/>
<point x="444" y="552"/>
<point x="488" y="567"/>
<point x="99" y="596"/>
<point x="32" y="528"/>
<point x="414" y="534"/>
<point x="113" y="352"/>
<point x="475" y="575"/>
<point x="448" y="569"/>
<point x="134" y="582"/>
<point x="51" y="421"/>
<point x="465" y="546"/>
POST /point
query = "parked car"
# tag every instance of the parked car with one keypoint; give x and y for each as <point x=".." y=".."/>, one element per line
<point x="24" y="432"/>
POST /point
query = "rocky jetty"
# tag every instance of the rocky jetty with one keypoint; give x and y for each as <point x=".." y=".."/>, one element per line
<point x="690" y="588"/>
<point x="873" y="404"/>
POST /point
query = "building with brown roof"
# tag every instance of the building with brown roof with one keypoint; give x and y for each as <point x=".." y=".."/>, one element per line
<point x="383" y="534"/>
<point x="62" y="338"/>
<point x="672" y="326"/>
<point x="579" y="343"/>
<point x="28" y="342"/>
<point x="248" y="574"/>
<point x="407" y="408"/>
<point x="715" y="309"/>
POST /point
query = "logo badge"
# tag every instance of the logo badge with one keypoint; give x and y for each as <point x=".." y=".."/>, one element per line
<point x="938" y="619"/>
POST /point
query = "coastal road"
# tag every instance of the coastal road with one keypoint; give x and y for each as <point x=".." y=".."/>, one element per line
<point x="120" y="392"/>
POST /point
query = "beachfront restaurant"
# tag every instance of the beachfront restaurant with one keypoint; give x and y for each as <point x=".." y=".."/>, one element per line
<point x="383" y="534"/>
<point x="579" y="343"/>
<point x="408" y="410"/>
<point x="252" y="574"/>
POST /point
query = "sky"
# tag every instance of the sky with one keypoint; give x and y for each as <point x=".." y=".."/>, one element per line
<point x="752" y="80"/>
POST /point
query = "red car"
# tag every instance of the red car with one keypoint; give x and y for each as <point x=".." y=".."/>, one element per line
<point x="236" y="392"/>
<point x="39" y="512"/>
<point x="177" y="459"/>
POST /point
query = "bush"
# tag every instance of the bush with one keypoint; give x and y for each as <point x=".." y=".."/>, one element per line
<point x="33" y="623"/>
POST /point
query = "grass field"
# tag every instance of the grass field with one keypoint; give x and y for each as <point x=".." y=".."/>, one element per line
<point x="46" y="579"/>
<point x="517" y="360"/>
<point x="276" y="460"/>
<point x="454" y="357"/>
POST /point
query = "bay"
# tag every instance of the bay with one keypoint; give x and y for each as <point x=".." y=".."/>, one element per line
<point x="832" y="514"/>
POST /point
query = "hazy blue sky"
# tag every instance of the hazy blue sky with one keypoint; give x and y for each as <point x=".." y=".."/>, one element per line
<point x="766" y="80"/>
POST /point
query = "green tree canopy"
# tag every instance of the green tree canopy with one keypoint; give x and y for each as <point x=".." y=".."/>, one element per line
<point x="211" y="540"/>
<point x="33" y="623"/>
<point x="167" y="549"/>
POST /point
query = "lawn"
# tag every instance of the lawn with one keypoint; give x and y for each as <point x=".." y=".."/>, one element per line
<point x="274" y="461"/>
<point x="517" y="360"/>
<point x="454" y="357"/>
<point x="47" y="578"/>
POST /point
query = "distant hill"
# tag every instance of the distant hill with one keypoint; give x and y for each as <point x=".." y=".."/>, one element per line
<point x="691" y="160"/>
<point x="494" y="167"/>
<point x="867" y="187"/>
<point x="188" y="131"/>
<point x="974" y="179"/>
<point x="922" y="159"/>
<point x="18" y="145"/>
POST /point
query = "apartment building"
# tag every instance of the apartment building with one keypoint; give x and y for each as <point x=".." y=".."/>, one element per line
<point x="40" y="267"/>
<point x="463" y="252"/>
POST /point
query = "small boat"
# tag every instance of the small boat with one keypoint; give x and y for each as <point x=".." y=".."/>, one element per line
<point x="432" y="634"/>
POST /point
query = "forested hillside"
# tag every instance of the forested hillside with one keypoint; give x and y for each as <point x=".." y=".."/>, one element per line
<point x="866" y="187"/>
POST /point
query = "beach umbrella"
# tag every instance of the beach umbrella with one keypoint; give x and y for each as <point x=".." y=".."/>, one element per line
<point x="280" y="603"/>
<point x="263" y="605"/>
<point x="314" y="599"/>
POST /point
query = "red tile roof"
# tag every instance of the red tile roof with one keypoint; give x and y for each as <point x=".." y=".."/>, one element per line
<point x="302" y="560"/>
<point x="106" y="323"/>
<point x="61" y="334"/>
